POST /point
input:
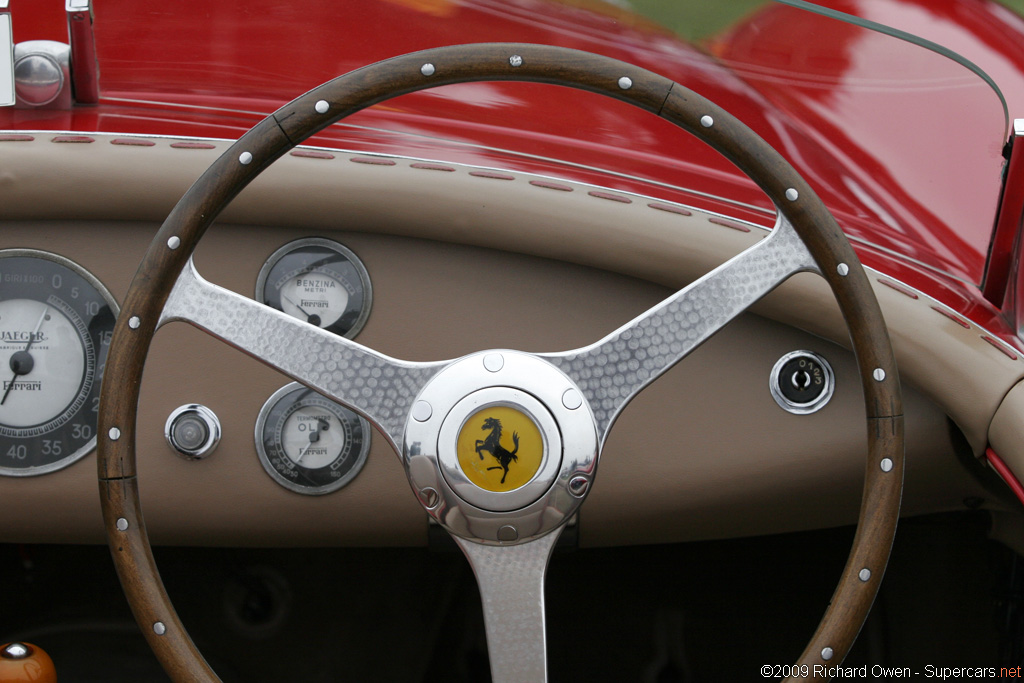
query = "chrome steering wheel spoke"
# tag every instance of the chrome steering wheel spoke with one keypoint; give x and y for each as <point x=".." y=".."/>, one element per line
<point x="511" y="582"/>
<point x="614" y="369"/>
<point x="379" y="387"/>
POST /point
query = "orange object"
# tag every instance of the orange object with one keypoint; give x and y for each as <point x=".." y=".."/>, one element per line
<point x="26" y="663"/>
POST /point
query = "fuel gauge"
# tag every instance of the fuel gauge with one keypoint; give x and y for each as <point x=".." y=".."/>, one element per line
<point x="320" y="282"/>
<point x="310" y="444"/>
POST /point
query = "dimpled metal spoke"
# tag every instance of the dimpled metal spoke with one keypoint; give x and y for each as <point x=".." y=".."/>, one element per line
<point x="617" y="367"/>
<point x="511" y="581"/>
<point x="380" y="387"/>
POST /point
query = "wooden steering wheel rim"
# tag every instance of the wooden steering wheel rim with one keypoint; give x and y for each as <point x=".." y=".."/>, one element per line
<point x="317" y="109"/>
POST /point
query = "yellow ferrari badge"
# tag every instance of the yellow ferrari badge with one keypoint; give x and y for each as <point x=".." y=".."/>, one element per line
<point x="500" y="448"/>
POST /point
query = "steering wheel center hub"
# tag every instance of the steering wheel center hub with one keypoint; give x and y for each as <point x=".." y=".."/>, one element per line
<point x="498" y="442"/>
<point x="499" y="449"/>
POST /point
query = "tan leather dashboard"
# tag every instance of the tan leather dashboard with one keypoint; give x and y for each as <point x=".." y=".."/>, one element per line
<point x="461" y="263"/>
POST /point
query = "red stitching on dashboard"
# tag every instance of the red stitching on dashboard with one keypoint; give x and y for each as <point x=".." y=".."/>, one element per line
<point x="373" y="161"/>
<point x="611" y="197"/>
<point x="1010" y="354"/>
<point x="311" y="154"/>
<point x="132" y="142"/>
<point x="492" y="174"/>
<point x="902" y="289"/>
<point x="72" y="138"/>
<point x="952" y="316"/>
<point x="671" y="209"/>
<point x="433" y="167"/>
<point x="16" y="138"/>
<point x="550" y="186"/>
<point x="728" y="224"/>
<point x="192" y="145"/>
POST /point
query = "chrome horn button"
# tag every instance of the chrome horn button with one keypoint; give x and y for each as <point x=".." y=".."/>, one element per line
<point x="500" y="447"/>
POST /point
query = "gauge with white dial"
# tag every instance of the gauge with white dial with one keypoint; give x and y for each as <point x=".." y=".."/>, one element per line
<point x="55" y="326"/>
<point x="310" y="444"/>
<point x="318" y="281"/>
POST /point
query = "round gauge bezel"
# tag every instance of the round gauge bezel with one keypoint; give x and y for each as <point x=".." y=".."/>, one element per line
<point x="273" y="414"/>
<point x="357" y="310"/>
<point x="100" y="346"/>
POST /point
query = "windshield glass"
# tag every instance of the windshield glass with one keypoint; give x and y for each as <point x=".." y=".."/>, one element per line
<point x="897" y="94"/>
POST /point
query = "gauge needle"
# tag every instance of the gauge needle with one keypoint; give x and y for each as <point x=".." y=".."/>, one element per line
<point x="22" y="362"/>
<point x="311" y="318"/>
<point x="314" y="436"/>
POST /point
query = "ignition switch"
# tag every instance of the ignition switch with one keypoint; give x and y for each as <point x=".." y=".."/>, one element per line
<point x="802" y="382"/>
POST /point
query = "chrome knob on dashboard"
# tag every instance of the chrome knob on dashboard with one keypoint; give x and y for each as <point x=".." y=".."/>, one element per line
<point x="192" y="431"/>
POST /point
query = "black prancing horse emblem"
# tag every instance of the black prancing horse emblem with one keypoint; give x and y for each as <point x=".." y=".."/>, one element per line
<point x="493" y="444"/>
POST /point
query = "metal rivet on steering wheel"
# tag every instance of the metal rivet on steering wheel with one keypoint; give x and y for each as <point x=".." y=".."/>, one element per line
<point x="422" y="408"/>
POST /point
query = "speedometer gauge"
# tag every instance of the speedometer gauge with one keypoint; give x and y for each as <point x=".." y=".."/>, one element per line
<point x="319" y="281"/>
<point x="55" y="325"/>
<point x="308" y="443"/>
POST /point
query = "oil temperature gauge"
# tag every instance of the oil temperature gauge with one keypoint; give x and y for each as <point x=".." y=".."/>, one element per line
<point x="308" y="443"/>
<point x="319" y="281"/>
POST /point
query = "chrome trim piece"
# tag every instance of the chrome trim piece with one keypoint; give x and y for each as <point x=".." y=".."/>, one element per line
<point x="16" y="651"/>
<point x="639" y="352"/>
<point x="529" y="384"/>
<point x="789" y="406"/>
<point x="213" y="431"/>
<point x="511" y="581"/>
<point x="379" y="387"/>
<point x="42" y="74"/>
<point x="7" y="97"/>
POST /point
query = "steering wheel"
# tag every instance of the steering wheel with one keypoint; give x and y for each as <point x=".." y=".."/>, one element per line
<point x="560" y="406"/>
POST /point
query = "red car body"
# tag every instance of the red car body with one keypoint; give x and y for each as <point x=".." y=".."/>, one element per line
<point x="926" y="180"/>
